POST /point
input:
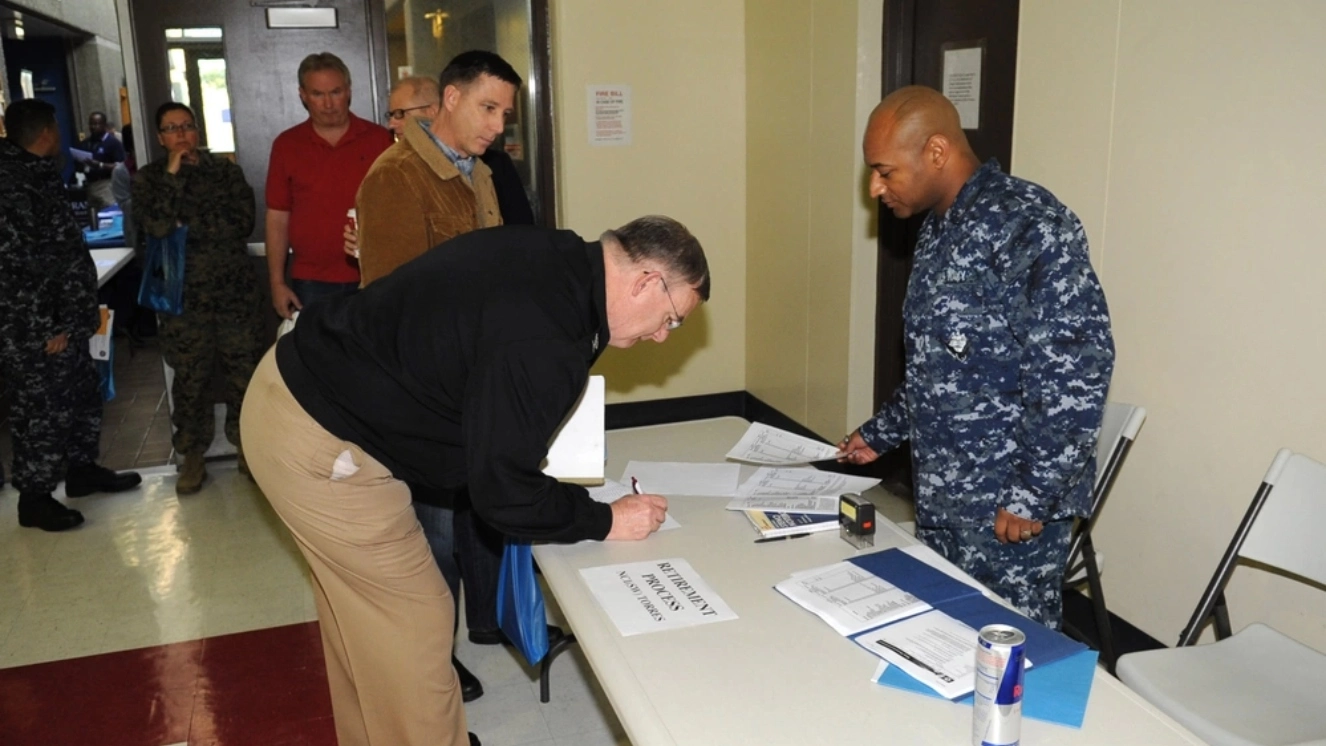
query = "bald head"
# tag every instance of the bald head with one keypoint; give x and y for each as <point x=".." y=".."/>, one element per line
<point x="418" y="86"/>
<point x="917" y="151"/>
<point x="411" y="98"/>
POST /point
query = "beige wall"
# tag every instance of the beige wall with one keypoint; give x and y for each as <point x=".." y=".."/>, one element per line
<point x="1188" y="138"/>
<point x="685" y="63"/>
<point x="812" y="70"/>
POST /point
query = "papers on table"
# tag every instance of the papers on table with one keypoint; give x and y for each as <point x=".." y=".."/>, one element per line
<point x="763" y="444"/>
<point x="804" y="505"/>
<point x="915" y="615"/>
<point x="577" y="451"/>
<point x="933" y="648"/>
<point x="653" y="596"/>
<point x="610" y="491"/>
<point x="849" y="598"/>
<point x="676" y="478"/>
<point x="768" y="482"/>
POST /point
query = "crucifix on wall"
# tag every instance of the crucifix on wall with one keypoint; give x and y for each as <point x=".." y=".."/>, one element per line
<point x="438" y="17"/>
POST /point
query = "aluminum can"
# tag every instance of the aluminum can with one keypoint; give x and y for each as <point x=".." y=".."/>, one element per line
<point x="1001" y="653"/>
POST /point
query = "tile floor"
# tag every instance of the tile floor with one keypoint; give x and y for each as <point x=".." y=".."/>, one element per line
<point x="167" y="621"/>
<point x="163" y="621"/>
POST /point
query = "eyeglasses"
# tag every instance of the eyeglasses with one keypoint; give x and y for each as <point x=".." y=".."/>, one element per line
<point x="171" y="129"/>
<point x="395" y="114"/>
<point x="677" y="320"/>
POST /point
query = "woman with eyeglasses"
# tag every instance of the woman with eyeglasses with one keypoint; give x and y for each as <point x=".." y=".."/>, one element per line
<point x="219" y="332"/>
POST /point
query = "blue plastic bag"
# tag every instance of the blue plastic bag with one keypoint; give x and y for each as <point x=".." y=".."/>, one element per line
<point x="162" y="289"/>
<point x="520" y="611"/>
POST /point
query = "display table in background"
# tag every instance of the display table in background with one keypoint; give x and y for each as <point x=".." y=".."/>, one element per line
<point x="110" y="261"/>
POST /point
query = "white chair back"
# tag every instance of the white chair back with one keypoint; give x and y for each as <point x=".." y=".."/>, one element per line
<point x="1121" y="423"/>
<point x="1288" y="531"/>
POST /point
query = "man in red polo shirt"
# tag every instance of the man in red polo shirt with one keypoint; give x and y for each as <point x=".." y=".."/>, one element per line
<point x="312" y="177"/>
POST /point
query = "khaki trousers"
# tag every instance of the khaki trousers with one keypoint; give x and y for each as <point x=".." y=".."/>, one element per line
<point x="385" y="611"/>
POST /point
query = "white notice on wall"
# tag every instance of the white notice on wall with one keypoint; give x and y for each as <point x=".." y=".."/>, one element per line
<point x="654" y="596"/>
<point x="962" y="84"/>
<point x="609" y="114"/>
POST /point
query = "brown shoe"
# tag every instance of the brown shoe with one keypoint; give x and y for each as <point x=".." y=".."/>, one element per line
<point x="192" y="474"/>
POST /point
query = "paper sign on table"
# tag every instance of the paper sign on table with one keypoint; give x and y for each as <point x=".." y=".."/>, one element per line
<point x="653" y="596"/>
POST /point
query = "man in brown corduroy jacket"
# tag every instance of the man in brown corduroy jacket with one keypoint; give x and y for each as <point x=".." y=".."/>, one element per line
<point x="431" y="186"/>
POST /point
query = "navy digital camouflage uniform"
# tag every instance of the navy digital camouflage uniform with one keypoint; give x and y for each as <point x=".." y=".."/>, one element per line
<point x="1009" y="356"/>
<point x="221" y="327"/>
<point x="48" y="287"/>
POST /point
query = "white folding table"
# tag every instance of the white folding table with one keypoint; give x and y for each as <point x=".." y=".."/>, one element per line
<point x="776" y="675"/>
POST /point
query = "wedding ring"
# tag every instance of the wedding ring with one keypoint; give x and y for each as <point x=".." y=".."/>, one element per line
<point x="1026" y="534"/>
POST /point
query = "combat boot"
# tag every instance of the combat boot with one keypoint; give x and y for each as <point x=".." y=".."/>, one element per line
<point x="46" y="513"/>
<point x="85" y="479"/>
<point x="192" y="474"/>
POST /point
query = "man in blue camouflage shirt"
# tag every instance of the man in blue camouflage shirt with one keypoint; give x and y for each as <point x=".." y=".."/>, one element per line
<point x="1009" y="356"/>
<point x="48" y="311"/>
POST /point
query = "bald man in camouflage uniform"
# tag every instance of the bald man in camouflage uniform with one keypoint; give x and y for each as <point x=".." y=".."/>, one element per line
<point x="48" y="311"/>
<point x="221" y="327"/>
<point x="1009" y="356"/>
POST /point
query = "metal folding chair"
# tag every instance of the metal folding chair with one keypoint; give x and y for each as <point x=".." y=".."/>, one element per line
<point x="1258" y="687"/>
<point x="1118" y="430"/>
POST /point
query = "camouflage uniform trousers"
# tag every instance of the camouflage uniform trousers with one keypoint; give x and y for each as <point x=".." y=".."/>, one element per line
<point x="1029" y="574"/>
<point x="219" y="333"/>
<point x="55" y="417"/>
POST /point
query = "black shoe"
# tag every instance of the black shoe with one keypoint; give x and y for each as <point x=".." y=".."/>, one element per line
<point x="46" y="513"/>
<point x="474" y="740"/>
<point x="498" y="637"/>
<point x="470" y="686"/>
<point x="82" y="481"/>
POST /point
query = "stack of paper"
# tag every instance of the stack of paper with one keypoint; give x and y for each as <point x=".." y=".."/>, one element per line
<point x="797" y="490"/>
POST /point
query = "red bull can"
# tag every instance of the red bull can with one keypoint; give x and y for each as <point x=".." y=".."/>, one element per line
<point x="1001" y="653"/>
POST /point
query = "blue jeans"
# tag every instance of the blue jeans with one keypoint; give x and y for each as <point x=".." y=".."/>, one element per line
<point x="311" y="290"/>
<point x="467" y="550"/>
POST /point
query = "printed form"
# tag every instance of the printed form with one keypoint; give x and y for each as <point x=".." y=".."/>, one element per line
<point x="763" y="444"/>
<point x="850" y="599"/>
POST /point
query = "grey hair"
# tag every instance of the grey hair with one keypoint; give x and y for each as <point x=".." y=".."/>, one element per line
<point x="664" y="240"/>
<point x="323" y="61"/>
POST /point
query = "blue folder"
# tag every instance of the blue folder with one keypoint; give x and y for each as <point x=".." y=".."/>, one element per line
<point x="1055" y="693"/>
<point x="1057" y="686"/>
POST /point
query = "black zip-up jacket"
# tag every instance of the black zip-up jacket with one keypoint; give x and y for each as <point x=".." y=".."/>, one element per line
<point x="457" y="368"/>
